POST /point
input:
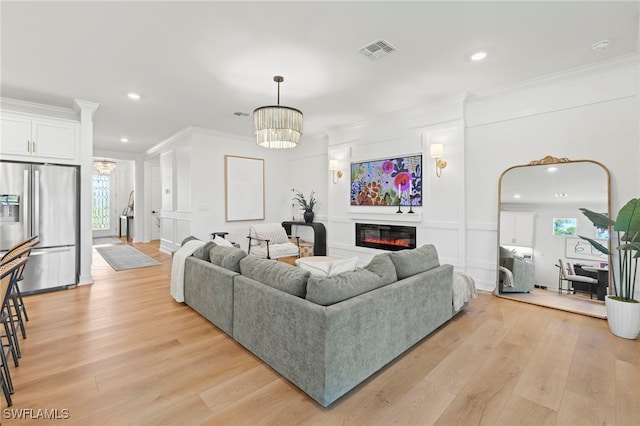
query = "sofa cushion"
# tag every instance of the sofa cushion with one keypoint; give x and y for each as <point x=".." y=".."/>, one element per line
<point x="202" y="252"/>
<point x="278" y="275"/>
<point x="414" y="261"/>
<point x="382" y="266"/>
<point x="226" y="257"/>
<point x="329" y="290"/>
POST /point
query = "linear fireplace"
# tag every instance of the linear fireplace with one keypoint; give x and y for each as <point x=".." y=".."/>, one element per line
<point x="385" y="237"/>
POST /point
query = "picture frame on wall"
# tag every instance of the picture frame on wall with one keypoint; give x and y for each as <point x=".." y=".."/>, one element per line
<point x="564" y="226"/>
<point x="577" y="248"/>
<point x="243" y="188"/>
<point x="387" y="182"/>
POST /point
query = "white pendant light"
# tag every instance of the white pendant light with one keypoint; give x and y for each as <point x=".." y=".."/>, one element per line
<point x="276" y="126"/>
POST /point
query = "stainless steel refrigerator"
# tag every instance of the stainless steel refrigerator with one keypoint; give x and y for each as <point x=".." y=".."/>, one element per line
<point x="42" y="200"/>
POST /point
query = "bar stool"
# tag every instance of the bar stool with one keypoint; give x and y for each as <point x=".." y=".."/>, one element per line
<point x="17" y="307"/>
<point x="9" y="273"/>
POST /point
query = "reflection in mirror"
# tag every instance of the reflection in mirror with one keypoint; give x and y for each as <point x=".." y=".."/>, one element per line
<point x="539" y="224"/>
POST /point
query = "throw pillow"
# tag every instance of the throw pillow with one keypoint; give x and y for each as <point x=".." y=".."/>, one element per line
<point x="275" y="234"/>
<point x="316" y="268"/>
<point x="202" y="252"/>
<point x="344" y="265"/>
<point x="329" y="290"/>
<point x="232" y="260"/>
<point x="382" y="266"/>
<point x="222" y="242"/>
<point x="414" y="261"/>
<point x="226" y="257"/>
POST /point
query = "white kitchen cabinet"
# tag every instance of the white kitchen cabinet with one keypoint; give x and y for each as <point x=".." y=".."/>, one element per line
<point x="35" y="138"/>
<point x="516" y="228"/>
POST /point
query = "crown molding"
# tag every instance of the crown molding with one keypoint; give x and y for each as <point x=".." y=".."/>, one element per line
<point x="17" y="105"/>
<point x="632" y="59"/>
<point x="79" y="105"/>
<point x="189" y="130"/>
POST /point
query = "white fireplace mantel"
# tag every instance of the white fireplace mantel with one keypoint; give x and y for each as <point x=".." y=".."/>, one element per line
<point x="388" y="216"/>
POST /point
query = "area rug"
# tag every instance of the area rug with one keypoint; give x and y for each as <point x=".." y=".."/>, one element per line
<point x="99" y="241"/>
<point x="122" y="257"/>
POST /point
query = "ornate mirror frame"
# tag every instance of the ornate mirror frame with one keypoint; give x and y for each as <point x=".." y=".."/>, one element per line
<point x="548" y="161"/>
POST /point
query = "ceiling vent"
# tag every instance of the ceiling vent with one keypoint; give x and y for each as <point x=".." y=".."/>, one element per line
<point x="377" y="49"/>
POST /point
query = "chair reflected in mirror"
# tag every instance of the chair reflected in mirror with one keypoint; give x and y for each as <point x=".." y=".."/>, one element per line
<point x="567" y="273"/>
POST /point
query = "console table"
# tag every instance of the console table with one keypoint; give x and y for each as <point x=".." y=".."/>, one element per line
<point x="127" y="220"/>
<point x="319" y="235"/>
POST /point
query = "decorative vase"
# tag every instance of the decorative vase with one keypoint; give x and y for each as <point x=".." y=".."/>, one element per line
<point x="308" y="216"/>
<point x="623" y="318"/>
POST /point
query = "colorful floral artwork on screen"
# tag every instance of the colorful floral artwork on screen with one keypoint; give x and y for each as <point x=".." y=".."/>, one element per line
<point x="387" y="182"/>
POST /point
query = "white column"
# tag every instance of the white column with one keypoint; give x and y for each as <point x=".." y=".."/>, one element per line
<point x="86" y="111"/>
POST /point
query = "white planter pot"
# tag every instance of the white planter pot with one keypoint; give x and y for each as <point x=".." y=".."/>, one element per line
<point x="623" y="318"/>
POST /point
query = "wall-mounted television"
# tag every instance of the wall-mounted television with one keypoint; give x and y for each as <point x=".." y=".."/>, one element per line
<point x="388" y="182"/>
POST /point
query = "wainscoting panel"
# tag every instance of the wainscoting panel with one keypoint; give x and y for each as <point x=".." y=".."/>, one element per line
<point x="482" y="246"/>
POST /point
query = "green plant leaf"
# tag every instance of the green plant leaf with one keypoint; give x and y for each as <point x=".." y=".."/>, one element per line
<point x="628" y="220"/>
<point x="598" y="219"/>
<point x="596" y="245"/>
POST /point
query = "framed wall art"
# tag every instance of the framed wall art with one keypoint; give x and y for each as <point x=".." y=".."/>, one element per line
<point x="243" y="188"/>
<point x="387" y="182"/>
<point x="577" y="248"/>
<point x="564" y="226"/>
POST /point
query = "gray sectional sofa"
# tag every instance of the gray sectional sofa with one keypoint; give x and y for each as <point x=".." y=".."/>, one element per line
<point x="324" y="334"/>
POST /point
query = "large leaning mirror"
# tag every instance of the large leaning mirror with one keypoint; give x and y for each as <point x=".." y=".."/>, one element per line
<point x="539" y="250"/>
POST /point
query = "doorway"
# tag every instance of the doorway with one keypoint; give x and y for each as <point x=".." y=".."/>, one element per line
<point x="156" y="202"/>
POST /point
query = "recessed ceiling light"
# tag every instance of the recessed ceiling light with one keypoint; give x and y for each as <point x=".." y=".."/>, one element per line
<point x="478" y="56"/>
<point x="133" y="95"/>
<point x="124" y="140"/>
<point x="517" y="196"/>
<point x="552" y="169"/>
<point x="600" y="45"/>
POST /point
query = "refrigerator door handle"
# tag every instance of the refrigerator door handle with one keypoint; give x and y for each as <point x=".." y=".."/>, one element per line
<point x="25" y="204"/>
<point x="36" y="203"/>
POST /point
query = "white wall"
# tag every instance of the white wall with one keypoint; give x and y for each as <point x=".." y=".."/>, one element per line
<point x="583" y="114"/>
<point x="192" y="164"/>
<point x="441" y="219"/>
<point x="592" y="114"/>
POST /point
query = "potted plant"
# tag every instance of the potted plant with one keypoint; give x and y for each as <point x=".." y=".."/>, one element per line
<point x="304" y="205"/>
<point x="623" y="310"/>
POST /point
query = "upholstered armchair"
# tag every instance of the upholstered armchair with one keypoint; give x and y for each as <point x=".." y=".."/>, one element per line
<point x="270" y="241"/>
<point x="517" y="275"/>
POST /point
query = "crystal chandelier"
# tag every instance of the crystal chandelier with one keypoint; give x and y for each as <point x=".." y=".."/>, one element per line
<point x="277" y="126"/>
<point x="104" y="167"/>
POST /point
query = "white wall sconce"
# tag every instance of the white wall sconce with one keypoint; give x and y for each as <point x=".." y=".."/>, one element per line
<point x="337" y="174"/>
<point x="436" y="150"/>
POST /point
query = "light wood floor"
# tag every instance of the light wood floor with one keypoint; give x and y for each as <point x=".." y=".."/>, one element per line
<point x="576" y="303"/>
<point x="121" y="351"/>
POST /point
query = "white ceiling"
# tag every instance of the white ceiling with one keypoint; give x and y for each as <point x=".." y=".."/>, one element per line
<point x="196" y="63"/>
